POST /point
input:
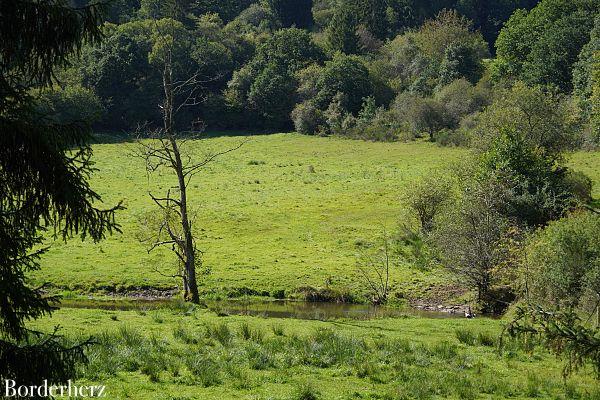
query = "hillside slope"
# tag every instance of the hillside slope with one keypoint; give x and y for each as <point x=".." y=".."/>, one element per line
<point x="265" y="221"/>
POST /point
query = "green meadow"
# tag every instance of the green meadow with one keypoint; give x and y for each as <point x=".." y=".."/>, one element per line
<point x="185" y="353"/>
<point x="283" y="212"/>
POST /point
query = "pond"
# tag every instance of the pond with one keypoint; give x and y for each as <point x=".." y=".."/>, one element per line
<point x="266" y="309"/>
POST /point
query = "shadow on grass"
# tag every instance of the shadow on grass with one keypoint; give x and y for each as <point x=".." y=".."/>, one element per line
<point x="128" y="137"/>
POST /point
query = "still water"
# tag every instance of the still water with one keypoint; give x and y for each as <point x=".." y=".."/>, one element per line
<point x="266" y="309"/>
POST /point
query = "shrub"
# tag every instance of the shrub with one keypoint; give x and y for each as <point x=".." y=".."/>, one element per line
<point x="453" y="138"/>
<point x="580" y="185"/>
<point x="426" y="197"/>
<point x="563" y="262"/>
<point x="71" y="104"/>
<point x="460" y="98"/>
<point x="422" y="115"/>
<point x="307" y="118"/>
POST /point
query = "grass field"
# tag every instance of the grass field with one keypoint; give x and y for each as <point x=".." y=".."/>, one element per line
<point x="265" y="221"/>
<point x="286" y="211"/>
<point x="193" y="354"/>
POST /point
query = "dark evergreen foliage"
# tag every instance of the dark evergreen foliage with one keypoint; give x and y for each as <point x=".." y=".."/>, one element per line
<point x="44" y="169"/>
<point x="293" y="12"/>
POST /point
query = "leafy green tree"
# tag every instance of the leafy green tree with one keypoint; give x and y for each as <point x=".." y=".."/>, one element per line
<point x="217" y="51"/>
<point x="489" y="16"/>
<point x="523" y="135"/>
<point x="341" y="32"/>
<point x="228" y="10"/>
<point x="159" y="9"/>
<point x="293" y="12"/>
<point x="346" y="75"/>
<point x="471" y="233"/>
<point x="272" y="95"/>
<point x="44" y="170"/>
<point x="562" y="263"/>
<point x="595" y="103"/>
<point x="583" y="72"/>
<point x="408" y="14"/>
<point x="121" y="11"/>
<point x="373" y="16"/>
<point x="461" y="60"/>
<point x="442" y="50"/>
<point x="267" y="84"/>
<point x="541" y="46"/>
<point x="255" y="21"/>
<point x="120" y="73"/>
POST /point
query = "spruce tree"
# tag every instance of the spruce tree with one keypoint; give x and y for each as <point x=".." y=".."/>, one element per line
<point x="44" y="170"/>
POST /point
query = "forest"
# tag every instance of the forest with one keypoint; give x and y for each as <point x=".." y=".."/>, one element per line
<point x="300" y="199"/>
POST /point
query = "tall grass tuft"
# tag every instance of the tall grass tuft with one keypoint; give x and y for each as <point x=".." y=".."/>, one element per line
<point x="220" y="332"/>
<point x="465" y="337"/>
<point x="248" y="333"/>
<point x="306" y="391"/>
<point x="486" y="339"/>
<point x="184" y="335"/>
<point x="204" y="369"/>
<point x="326" y="348"/>
<point x="277" y="329"/>
<point x="258" y="357"/>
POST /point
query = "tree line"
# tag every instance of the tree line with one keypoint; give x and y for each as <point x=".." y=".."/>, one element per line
<point x="404" y="54"/>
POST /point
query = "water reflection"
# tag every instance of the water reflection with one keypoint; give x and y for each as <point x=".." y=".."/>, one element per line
<point x="266" y="309"/>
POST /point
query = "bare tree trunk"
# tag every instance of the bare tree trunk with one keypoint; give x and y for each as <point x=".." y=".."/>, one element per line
<point x="189" y="248"/>
<point x="174" y="227"/>
<point x="188" y="239"/>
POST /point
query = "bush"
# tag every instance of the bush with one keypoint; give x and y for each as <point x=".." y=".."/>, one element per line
<point x="426" y="198"/>
<point x="422" y="115"/>
<point x="580" y="185"/>
<point x="71" y="104"/>
<point x="453" y="138"/>
<point x="307" y="118"/>
<point x="461" y="98"/>
<point x="563" y="262"/>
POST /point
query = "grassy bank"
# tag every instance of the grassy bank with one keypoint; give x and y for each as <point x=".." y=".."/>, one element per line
<point x="286" y="211"/>
<point x="193" y="354"/>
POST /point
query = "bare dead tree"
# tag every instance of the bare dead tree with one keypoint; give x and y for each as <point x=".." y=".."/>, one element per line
<point x="375" y="269"/>
<point x="165" y="149"/>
